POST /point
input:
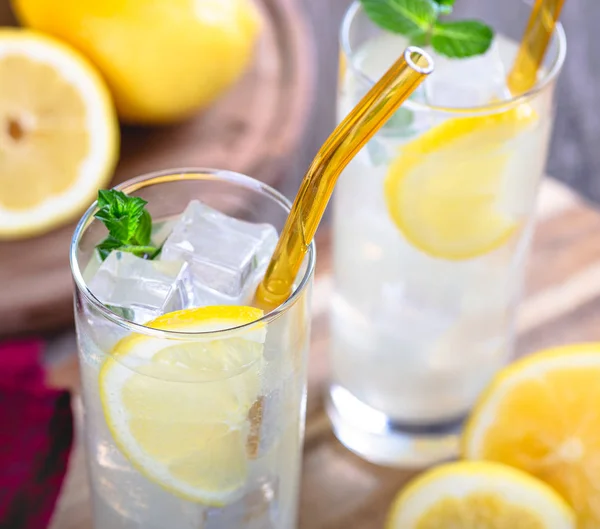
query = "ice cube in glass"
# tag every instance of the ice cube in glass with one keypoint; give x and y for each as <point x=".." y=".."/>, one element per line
<point x="471" y="81"/>
<point x="227" y="256"/>
<point x="139" y="289"/>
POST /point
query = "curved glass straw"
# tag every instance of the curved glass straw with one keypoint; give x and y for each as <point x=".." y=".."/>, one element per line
<point x="534" y="43"/>
<point x="347" y="139"/>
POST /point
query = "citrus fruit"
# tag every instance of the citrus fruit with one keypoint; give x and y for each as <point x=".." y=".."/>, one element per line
<point x="474" y="495"/>
<point x="541" y="414"/>
<point x="163" y="59"/>
<point x="178" y="409"/>
<point x="443" y="189"/>
<point x="58" y="133"/>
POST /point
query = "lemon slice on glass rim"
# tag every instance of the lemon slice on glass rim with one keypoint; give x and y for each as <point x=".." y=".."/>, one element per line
<point x="58" y="133"/>
<point x="178" y="409"/>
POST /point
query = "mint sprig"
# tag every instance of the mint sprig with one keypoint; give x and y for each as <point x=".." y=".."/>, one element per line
<point x="420" y="21"/>
<point x="128" y="223"/>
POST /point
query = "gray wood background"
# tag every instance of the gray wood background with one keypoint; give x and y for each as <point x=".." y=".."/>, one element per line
<point x="575" y="152"/>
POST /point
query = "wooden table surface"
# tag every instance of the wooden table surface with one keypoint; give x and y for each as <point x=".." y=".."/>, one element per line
<point x="339" y="490"/>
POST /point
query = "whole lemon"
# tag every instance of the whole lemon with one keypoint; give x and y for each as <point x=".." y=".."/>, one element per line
<point x="162" y="59"/>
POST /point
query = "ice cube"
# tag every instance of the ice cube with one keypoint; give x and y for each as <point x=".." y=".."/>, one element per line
<point x="227" y="256"/>
<point x="139" y="289"/>
<point x="469" y="82"/>
<point x="258" y="509"/>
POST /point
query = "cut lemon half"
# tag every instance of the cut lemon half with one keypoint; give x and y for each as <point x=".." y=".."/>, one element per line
<point x="58" y="133"/>
<point x="473" y="495"/>
<point x="443" y="189"/>
<point x="178" y="409"/>
<point x="542" y="415"/>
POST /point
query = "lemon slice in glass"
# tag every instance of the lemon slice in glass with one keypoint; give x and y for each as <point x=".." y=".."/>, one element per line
<point x="178" y="409"/>
<point x="58" y="133"/>
<point x="478" y="495"/>
<point x="443" y="189"/>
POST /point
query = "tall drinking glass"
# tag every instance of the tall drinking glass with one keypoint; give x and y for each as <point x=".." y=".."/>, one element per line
<point x="432" y="225"/>
<point x="194" y="420"/>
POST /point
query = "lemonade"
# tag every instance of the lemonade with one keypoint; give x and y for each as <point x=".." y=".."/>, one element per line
<point x="194" y="400"/>
<point x="432" y="223"/>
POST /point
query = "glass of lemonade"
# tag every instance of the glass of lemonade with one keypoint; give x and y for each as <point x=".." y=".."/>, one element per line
<point x="432" y="224"/>
<point x="193" y="399"/>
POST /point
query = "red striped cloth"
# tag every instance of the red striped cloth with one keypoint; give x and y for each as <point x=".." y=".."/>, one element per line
<point x="36" y="433"/>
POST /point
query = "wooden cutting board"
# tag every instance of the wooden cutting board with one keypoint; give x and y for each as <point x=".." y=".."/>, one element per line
<point x="254" y="129"/>
<point x="341" y="491"/>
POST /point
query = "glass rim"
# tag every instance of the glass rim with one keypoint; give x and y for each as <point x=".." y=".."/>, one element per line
<point x="170" y="175"/>
<point x="347" y="49"/>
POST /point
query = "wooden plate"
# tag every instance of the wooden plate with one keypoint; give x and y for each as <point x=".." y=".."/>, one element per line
<point x="253" y="129"/>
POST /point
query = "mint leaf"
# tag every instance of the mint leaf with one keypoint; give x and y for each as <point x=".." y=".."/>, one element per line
<point x="408" y="17"/>
<point x="445" y="2"/>
<point x="146" y="252"/>
<point x="120" y="214"/>
<point x="108" y="245"/>
<point x="117" y="226"/>
<point x="128" y="223"/>
<point x="144" y="229"/>
<point x="105" y="198"/>
<point x="461" y="38"/>
<point x="135" y="212"/>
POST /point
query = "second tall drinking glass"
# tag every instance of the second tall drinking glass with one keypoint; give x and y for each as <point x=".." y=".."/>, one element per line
<point x="432" y="224"/>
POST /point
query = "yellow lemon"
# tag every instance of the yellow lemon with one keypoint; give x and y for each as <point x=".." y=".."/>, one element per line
<point x="58" y="133"/>
<point x="179" y="409"/>
<point x="473" y="495"/>
<point x="542" y="415"/>
<point x="442" y="191"/>
<point x="162" y="59"/>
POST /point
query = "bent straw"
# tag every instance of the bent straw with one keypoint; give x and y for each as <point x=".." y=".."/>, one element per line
<point x="534" y="43"/>
<point x="347" y="139"/>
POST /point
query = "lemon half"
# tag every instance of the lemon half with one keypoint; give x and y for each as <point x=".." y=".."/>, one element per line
<point x="478" y="495"/>
<point x="542" y="415"/>
<point x="443" y="189"/>
<point x="178" y="409"/>
<point x="163" y="59"/>
<point x="58" y="133"/>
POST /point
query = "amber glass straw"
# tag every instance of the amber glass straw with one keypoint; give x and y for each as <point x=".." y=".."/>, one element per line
<point x="534" y="43"/>
<point x="347" y="139"/>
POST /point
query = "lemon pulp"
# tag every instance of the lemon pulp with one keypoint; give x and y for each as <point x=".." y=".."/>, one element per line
<point x="478" y="495"/>
<point x="58" y="133"/>
<point x="541" y="415"/>
<point x="178" y="410"/>
<point x="442" y="190"/>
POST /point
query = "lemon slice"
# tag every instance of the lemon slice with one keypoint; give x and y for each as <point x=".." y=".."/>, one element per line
<point x="443" y="190"/>
<point x="178" y="410"/>
<point x="58" y="133"/>
<point x="473" y="495"/>
<point x="542" y="415"/>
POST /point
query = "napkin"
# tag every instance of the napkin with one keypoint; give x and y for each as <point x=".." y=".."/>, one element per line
<point x="36" y="434"/>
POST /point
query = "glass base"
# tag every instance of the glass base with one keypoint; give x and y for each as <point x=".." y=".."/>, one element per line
<point x="375" y="437"/>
